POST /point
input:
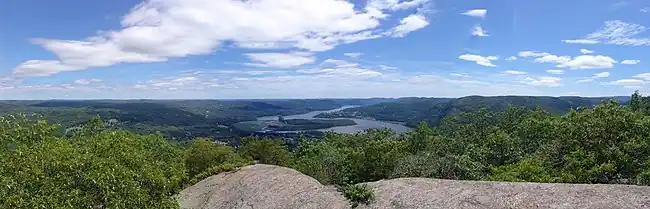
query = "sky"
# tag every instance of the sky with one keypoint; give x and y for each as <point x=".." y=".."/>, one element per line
<point x="235" y="49"/>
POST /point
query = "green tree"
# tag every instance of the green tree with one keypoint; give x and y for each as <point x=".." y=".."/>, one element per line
<point x="265" y="150"/>
<point x="203" y="153"/>
<point x="106" y="169"/>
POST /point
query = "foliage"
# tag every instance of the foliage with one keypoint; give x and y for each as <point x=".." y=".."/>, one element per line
<point x="105" y="169"/>
<point x="604" y="144"/>
<point x="350" y="158"/>
<point x="358" y="194"/>
<point x="203" y="154"/>
<point x="217" y="169"/>
<point x="265" y="150"/>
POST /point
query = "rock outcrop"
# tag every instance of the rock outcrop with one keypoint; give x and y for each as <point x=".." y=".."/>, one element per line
<point x="266" y="186"/>
<point x="261" y="186"/>
<point x="449" y="194"/>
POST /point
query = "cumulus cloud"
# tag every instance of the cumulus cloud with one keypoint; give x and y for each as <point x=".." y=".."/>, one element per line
<point x="586" y="51"/>
<point x="645" y="9"/>
<point x="514" y="72"/>
<point x="485" y="61"/>
<point x="480" y="13"/>
<point x="532" y="54"/>
<point x="579" y="62"/>
<point x="616" y="32"/>
<point x="511" y="58"/>
<point x="157" y="30"/>
<point x="409" y="24"/>
<point x="589" y="62"/>
<point x="281" y="60"/>
<point x="630" y="62"/>
<point x="479" y="31"/>
<point x="557" y="72"/>
<point x="553" y="59"/>
<point x="546" y="81"/>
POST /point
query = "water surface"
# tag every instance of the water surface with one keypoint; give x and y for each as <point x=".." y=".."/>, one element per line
<point x="362" y="124"/>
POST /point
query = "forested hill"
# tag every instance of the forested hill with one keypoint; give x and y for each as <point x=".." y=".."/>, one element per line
<point x="432" y="110"/>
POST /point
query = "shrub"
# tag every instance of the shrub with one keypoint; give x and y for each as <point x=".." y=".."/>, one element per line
<point x="358" y="194"/>
<point x="203" y="154"/>
<point x="265" y="150"/>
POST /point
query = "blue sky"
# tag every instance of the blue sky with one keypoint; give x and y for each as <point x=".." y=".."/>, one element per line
<point x="164" y="49"/>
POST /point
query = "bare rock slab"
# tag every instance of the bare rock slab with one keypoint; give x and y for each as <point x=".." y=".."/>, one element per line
<point x="260" y="187"/>
<point x="448" y="194"/>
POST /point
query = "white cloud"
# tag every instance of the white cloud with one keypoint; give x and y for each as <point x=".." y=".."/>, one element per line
<point x="157" y="30"/>
<point x="580" y="41"/>
<point x="514" y="72"/>
<point x="546" y="81"/>
<point x="281" y="60"/>
<point x="409" y="24"/>
<point x="462" y="75"/>
<point x="485" y="61"/>
<point x="601" y="75"/>
<point x="594" y="77"/>
<point x="616" y="32"/>
<point x="632" y="87"/>
<point x="511" y="58"/>
<point x="557" y="72"/>
<point x="532" y="54"/>
<point x="353" y="54"/>
<point x="646" y="9"/>
<point x="553" y="59"/>
<point x="43" y="68"/>
<point x="586" y="51"/>
<point x="627" y="82"/>
<point x="478" y="31"/>
<point x="395" y="4"/>
<point x="87" y="81"/>
<point x="630" y="62"/>
<point x="589" y="62"/>
<point x="644" y="76"/>
<point x="386" y="67"/>
<point x="480" y="13"/>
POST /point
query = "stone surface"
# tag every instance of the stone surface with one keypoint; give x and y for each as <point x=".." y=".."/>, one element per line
<point x="261" y="186"/>
<point x="274" y="187"/>
<point x="449" y="194"/>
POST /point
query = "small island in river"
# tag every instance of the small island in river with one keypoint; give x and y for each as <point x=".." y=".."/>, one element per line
<point x="292" y="124"/>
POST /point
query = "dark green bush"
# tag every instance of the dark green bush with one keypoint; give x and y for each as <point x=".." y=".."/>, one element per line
<point x="358" y="194"/>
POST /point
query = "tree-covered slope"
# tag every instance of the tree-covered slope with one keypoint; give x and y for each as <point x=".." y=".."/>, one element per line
<point x="432" y="110"/>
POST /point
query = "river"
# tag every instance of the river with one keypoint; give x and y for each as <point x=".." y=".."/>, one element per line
<point x="362" y="124"/>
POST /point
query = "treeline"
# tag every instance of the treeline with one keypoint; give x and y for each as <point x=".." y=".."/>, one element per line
<point x="412" y="111"/>
<point x="96" y="167"/>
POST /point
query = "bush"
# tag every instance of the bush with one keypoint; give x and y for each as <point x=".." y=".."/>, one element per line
<point x="265" y="150"/>
<point x="358" y="194"/>
<point x="203" y="154"/>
